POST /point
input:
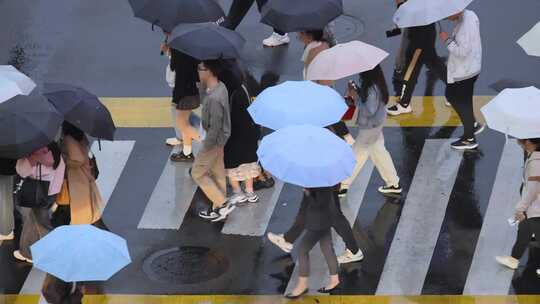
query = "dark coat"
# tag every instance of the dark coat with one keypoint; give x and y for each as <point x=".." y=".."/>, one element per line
<point x="241" y="148"/>
<point x="7" y="166"/>
<point x="422" y="37"/>
<point x="320" y="208"/>
<point x="185" y="68"/>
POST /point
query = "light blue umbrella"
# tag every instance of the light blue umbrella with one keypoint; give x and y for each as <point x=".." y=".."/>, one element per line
<point x="307" y="156"/>
<point x="79" y="253"/>
<point x="296" y="103"/>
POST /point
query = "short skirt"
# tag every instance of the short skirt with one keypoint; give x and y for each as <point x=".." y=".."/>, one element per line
<point x="244" y="172"/>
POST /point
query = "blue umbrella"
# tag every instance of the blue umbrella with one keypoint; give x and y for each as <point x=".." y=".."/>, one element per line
<point x="307" y="156"/>
<point x="78" y="253"/>
<point x="296" y="103"/>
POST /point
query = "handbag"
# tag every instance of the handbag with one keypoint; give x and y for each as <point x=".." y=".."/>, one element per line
<point x="351" y="109"/>
<point x="33" y="193"/>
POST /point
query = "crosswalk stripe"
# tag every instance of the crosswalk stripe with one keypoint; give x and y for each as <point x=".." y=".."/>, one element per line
<point x="318" y="269"/>
<point x="171" y="197"/>
<point x="421" y="219"/>
<point x="111" y="160"/>
<point x="485" y="276"/>
<point x="253" y="220"/>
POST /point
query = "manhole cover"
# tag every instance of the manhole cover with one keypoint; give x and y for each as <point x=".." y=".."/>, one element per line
<point x="185" y="265"/>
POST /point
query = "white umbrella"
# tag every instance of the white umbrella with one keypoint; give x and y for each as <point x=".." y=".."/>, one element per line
<point x="345" y="60"/>
<point x="424" y="12"/>
<point x="530" y="42"/>
<point x="13" y="83"/>
<point x="515" y="112"/>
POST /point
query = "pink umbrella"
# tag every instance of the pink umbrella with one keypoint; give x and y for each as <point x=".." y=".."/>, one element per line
<point x="344" y="60"/>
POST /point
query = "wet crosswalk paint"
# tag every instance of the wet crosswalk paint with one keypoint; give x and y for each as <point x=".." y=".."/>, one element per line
<point x="432" y="180"/>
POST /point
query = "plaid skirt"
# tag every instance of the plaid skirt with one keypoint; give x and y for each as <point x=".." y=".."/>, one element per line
<point x="244" y="172"/>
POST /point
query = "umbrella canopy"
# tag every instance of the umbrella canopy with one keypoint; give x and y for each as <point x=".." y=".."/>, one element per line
<point x="27" y="123"/>
<point x="530" y="42"/>
<point x="344" y="60"/>
<point x="424" y="12"/>
<point x="82" y="109"/>
<point x="13" y="83"/>
<point x="169" y="13"/>
<point x="300" y="15"/>
<point x="513" y="112"/>
<point x="206" y="41"/>
<point x="77" y="253"/>
<point x="307" y="156"/>
<point x="296" y="103"/>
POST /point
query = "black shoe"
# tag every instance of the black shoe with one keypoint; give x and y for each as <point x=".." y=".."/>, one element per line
<point x="224" y="211"/>
<point x="478" y="128"/>
<point x="390" y="189"/>
<point x="342" y="192"/>
<point x="464" y="144"/>
<point x="181" y="157"/>
<point x="293" y="297"/>
<point x="263" y="184"/>
<point x="324" y="290"/>
<point x="209" y="214"/>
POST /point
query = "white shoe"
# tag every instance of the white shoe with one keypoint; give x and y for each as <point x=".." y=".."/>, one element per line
<point x="446" y="103"/>
<point x="508" y="261"/>
<point x="18" y="255"/>
<point x="399" y="109"/>
<point x="276" y="40"/>
<point x="224" y="211"/>
<point x="538" y="272"/>
<point x="279" y="240"/>
<point x="349" y="257"/>
<point x="7" y="237"/>
<point x="238" y="198"/>
<point x="173" y="141"/>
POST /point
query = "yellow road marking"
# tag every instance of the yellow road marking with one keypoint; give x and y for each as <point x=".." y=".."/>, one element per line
<point x="139" y="112"/>
<point x="232" y="299"/>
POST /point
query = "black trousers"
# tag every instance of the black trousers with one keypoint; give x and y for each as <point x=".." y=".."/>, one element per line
<point x="428" y="58"/>
<point x="526" y="229"/>
<point x="339" y="223"/>
<point x="310" y="239"/>
<point x="460" y="96"/>
<point x="239" y="9"/>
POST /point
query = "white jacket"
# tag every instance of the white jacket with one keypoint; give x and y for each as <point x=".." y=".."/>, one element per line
<point x="465" y="47"/>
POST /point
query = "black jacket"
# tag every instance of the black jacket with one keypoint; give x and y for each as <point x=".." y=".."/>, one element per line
<point x="320" y="208"/>
<point x="7" y="166"/>
<point x="185" y="68"/>
<point x="241" y="148"/>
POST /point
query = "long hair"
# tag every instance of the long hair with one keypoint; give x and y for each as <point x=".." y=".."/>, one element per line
<point x="374" y="77"/>
<point x="536" y="142"/>
<point x="73" y="131"/>
<point x="231" y="75"/>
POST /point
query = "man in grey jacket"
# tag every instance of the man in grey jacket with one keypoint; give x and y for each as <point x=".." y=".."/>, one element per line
<point x="209" y="169"/>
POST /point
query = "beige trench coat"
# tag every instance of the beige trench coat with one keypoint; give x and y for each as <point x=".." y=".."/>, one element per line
<point x="86" y="203"/>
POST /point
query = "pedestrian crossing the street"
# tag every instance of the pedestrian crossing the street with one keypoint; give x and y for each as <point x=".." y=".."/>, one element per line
<point x="410" y="245"/>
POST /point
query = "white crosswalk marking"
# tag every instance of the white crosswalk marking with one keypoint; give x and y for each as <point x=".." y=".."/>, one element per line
<point x="421" y="219"/>
<point x="319" y="274"/>
<point x="252" y="220"/>
<point x="486" y="277"/>
<point x="111" y="161"/>
<point x="171" y="198"/>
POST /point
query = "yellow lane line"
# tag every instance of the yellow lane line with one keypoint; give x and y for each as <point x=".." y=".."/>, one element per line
<point x="232" y="299"/>
<point x="142" y="112"/>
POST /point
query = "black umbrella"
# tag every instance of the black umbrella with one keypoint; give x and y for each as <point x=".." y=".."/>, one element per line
<point x="169" y="13"/>
<point x="82" y="109"/>
<point x="27" y="123"/>
<point x="206" y="41"/>
<point x="300" y="15"/>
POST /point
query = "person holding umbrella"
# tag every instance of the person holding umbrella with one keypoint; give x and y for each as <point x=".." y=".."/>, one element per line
<point x="45" y="165"/>
<point x="528" y="208"/>
<point x="208" y="170"/>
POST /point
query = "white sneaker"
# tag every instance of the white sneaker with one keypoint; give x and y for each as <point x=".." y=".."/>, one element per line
<point x="538" y="272"/>
<point x="224" y="211"/>
<point x="18" y="255"/>
<point x="508" y="261"/>
<point x="446" y="103"/>
<point x="238" y="198"/>
<point x="276" y="40"/>
<point x="7" y="237"/>
<point x="173" y="141"/>
<point x="399" y="109"/>
<point x="349" y="257"/>
<point x="279" y="240"/>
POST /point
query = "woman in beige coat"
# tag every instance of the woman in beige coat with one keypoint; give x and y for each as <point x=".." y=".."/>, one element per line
<point x="86" y="204"/>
